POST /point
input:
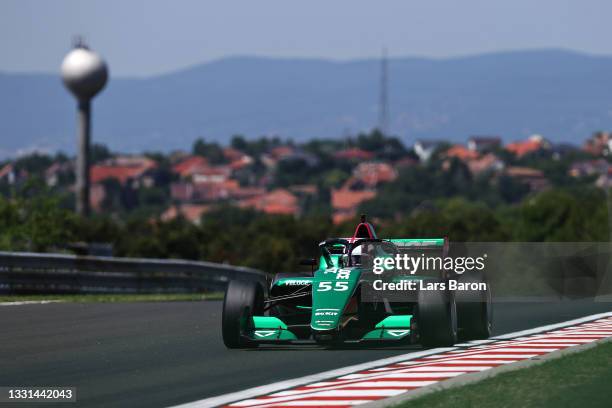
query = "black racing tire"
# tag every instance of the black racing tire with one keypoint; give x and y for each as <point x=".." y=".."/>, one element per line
<point x="474" y="309"/>
<point x="437" y="317"/>
<point x="243" y="299"/>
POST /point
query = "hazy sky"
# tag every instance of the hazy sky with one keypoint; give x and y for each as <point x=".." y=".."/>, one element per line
<point x="146" y="37"/>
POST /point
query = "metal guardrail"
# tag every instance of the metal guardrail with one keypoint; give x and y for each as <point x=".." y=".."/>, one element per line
<point x="24" y="272"/>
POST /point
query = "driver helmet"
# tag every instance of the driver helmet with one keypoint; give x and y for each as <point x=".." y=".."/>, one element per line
<point x="356" y="255"/>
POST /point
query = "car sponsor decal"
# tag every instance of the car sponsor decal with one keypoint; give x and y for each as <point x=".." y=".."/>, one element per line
<point x="297" y="282"/>
<point x="264" y="333"/>
<point x="326" y="312"/>
<point x="398" y="333"/>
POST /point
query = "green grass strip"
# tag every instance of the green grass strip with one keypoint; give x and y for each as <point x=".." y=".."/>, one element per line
<point x="582" y="379"/>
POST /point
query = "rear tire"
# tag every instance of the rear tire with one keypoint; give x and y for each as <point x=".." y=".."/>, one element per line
<point x="242" y="301"/>
<point x="437" y="318"/>
<point x="474" y="309"/>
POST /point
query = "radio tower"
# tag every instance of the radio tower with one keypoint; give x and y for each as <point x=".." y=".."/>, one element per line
<point x="383" y="114"/>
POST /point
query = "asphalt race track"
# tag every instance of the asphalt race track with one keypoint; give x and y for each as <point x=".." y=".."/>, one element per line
<point x="161" y="354"/>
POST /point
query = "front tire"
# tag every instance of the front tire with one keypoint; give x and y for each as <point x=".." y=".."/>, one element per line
<point x="242" y="301"/>
<point x="437" y="318"/>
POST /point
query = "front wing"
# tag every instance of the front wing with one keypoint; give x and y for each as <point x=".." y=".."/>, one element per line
<point x="268" y="329"/>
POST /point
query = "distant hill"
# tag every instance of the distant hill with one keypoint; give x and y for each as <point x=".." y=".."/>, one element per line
<point x="563" y="95"/>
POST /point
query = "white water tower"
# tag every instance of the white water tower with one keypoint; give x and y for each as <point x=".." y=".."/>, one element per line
<point x="84" y="74"/>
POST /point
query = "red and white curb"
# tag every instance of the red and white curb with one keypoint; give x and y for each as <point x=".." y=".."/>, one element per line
<point x="416" y="370"/>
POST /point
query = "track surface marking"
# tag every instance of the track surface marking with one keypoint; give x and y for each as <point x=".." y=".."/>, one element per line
<point x="419" y="370"/>
<point x="160" y="354"/>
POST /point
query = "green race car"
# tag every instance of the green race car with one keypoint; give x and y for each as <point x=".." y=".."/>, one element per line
<point x="337" y="303"/>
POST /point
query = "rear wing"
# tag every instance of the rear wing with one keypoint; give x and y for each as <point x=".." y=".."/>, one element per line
<point x="406" y="244"/>
<point x="430" y="247"/>
<point x="423" y="243"/>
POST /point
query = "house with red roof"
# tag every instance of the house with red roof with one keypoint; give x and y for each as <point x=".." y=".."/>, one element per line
<point x="236" y="158"/>
<point x="488" y="163"/>
<point x="476" y="162"/>
<point x="247" y="192"/>
<point x="132" y="171"/>
<point x="191" y="212"/>
<point x="186" y="191"/>
<point x="232" y="154"/>
<point x="281" y="152"/>
<point x="288" y="153"/>
<point x="304" y="189"/>
<point x="200" y="171"/>
<point x="354" y="154"/>
<point x="212" y="174"/>
<point x="461" y="152"/>
<point x="373" y="173"/>
<point x="534" y="178"/>
<point x="535" y="143"/>
<point x="346" y="201"/>
<point x="189" y="166"/>
<point x="406" y="161"/>
<point x="279" y="201"/>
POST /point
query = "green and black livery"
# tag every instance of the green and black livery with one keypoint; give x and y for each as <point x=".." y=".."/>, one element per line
<point x="326" y="305"/>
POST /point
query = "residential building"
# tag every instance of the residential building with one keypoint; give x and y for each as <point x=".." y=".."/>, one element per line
<point x="373" y="173"/>
<point x="279" y="201"/>
<point x="461" y="152"/>
<point x="345" y="202"/>
<point x="424" y="149"/>
<point x="8" y="174"/>
<point x="534" y="143"/>
<point x="58" y="171"/>
<point x="130" y="171"/>
<point x="236" y="158"/>
<point x="484" y="144"/>
<point x="534" y="178"/>
<point x="406" y="161"/>
<point x="189" y="166"/>
<point x="186" y="191"/>
<point x="304" y="189"/>
<point x="354" y="154"/>
<point x="605" y="180"/>
<point x="589" y="168"/>
<point x="211" y="174"/>
<point x="488" y="163"/>
<point x="599" y="144"/>
<point x="286" y="153"/>
<point x="191" y="212"/>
